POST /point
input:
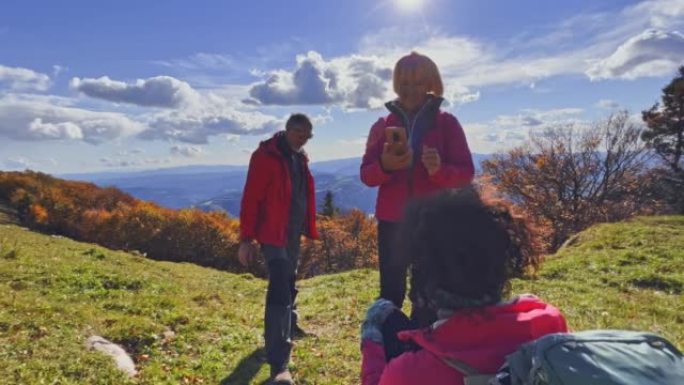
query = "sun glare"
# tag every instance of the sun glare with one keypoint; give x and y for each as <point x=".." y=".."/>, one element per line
<point x="409" y="5"/>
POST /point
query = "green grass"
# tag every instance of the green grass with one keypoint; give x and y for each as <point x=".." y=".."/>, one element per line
<point x="627" y="275"/>
<point x="57" y="292"/>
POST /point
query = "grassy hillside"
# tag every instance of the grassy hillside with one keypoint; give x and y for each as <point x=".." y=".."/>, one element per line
<point x="627" y="275"/>
<point x="187" y="324"/>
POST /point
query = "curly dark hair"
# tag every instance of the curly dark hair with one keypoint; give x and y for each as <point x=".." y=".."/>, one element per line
<point x="463" y="251"/>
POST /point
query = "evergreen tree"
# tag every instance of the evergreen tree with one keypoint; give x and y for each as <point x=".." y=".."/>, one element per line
<point x="665" y="132"/>
<point x="665" y="135"/>
<point x="329" y="209"/>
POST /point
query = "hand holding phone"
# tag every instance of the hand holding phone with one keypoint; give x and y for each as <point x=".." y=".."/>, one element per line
<point x="396" y="154"/>
<point x="396" y="139"/>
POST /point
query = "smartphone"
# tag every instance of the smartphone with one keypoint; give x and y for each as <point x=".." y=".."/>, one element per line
<point x="396" y="137"/>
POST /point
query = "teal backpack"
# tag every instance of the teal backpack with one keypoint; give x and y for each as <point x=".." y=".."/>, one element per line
<point x="598" y="357"/>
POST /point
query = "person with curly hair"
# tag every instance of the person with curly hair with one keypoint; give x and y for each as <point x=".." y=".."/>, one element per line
<point x="464" y="252"/>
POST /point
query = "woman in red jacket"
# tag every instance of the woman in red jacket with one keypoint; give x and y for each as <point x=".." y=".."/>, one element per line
<point x="435" y="157"/>
<point x="464" y="252"/>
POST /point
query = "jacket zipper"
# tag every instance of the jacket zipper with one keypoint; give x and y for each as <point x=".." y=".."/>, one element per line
<point x="410" y="135"/>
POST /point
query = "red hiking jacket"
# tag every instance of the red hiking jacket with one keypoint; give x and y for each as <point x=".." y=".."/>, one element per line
<point x="457" y="165"/>
<point x="266" y="199"/>
<point x="481" y="340"/>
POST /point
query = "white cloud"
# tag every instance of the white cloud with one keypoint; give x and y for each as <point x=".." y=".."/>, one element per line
<point x="18" y="163"/>
<point x="321" y="119"/>
<point x="359" y="142"/>
<point x="58" y="69"/>
<point x="567" y="48"/>
<point x="516" y="136"/>
<point x="454" y="55"/>
<point x="467" y="63"/>
<point x="205" y="69"/>
<point x="158" y="91"/>
<point x="132" y="163"/>
<point x="31" y="119"/>
<point x="23" y="163"/>
<point x="364" y="80"/>
<point x="355" y="81"/>
<point x="135" y="151"/>
<point x="665" y="14"/>
<point x="651" y="53"/>
<point x="64" y="130"/>
<point x="508" y="130"/>
<point x="450" y="52"/>
<point x="187" y="151"/>
<point x="352" y="81"/>
<point x="607" y="104"/>
<point x="17" y="78"/>
<point x="201" y="60"/>
<point x="493" y="137"/>
<point x="214" y="117"/>
<point x="457" y="93"/>
<point x="196" y="116"/>
<point x="530" y="121"/>
<point x="535" y="118"/>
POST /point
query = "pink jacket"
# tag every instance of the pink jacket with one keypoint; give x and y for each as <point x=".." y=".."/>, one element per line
<point x="481" y="340"/>
<point x="457" y="165"/>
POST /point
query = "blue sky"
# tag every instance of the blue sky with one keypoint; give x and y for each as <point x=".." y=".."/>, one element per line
<point x="90" y="86"/>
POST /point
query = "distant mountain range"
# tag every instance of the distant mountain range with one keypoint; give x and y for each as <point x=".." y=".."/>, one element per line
<point x="220" y="187"/>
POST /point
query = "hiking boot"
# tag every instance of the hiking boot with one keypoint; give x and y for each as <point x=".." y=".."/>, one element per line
<point x="298" y="333"/>
<point x="282" y="378"/>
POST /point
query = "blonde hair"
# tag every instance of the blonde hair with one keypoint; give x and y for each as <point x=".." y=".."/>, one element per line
<point x="416" y="65"/>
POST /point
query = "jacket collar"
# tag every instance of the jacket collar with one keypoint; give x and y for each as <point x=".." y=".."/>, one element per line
<point x="481" y="328"/>
<point x="431" y="106"/>
<point x="272" y="147"/>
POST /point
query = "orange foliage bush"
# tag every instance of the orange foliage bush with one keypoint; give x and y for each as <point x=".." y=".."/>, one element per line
<point x="347" y="241"/>
<point x="116" y="220"/>
<point x="568" y="178"/>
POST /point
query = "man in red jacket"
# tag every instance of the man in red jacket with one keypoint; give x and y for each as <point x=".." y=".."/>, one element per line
<point x="278" y="206"/>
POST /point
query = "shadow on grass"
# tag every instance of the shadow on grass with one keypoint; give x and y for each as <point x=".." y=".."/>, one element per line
<point x="247" y="369"/>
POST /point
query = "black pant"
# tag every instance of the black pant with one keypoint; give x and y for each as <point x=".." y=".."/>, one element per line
<point x="394" y="323"/>
<point x="393" y="271"/>
<point x="392" y="267"/>
<point x="280" y="316"/>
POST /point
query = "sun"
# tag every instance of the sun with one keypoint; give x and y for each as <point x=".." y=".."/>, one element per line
<point x="409" y="5"/>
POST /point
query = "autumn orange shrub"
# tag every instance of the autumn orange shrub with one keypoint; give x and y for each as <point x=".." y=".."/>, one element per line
<point x="347" y="241"/>
<point x="116" y="220"/>
<point x="570" y="177"/>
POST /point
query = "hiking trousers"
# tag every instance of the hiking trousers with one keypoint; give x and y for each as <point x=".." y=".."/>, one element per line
<point x="393" y="272"/>
<point x="280" y="315"/>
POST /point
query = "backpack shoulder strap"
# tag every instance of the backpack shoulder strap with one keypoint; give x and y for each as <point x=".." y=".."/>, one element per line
<point x="461" y="366"/>
<point x="471" y="376"/>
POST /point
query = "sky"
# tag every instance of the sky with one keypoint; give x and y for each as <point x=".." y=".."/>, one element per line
<point x="91" y="86"/>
